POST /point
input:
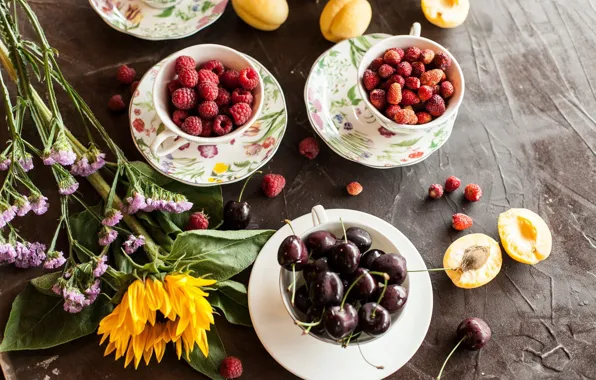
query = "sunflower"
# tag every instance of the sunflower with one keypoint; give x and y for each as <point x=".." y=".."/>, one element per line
<point x="153" y="313"/>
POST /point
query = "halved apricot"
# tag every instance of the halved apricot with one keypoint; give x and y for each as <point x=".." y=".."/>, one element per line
<point x="446" y="13"/>
<point x="525" y="235"/>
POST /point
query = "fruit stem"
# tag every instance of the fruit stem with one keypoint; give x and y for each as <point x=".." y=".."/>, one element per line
<point x="293" y="283"/>
<point x="343" y="301"/>
<point x="245" y="183"/>
<point x="347" y="342"/>
<point x="289" y="223"/>
<point x="343" y="227"/>
<point x="308" y="324"/>
<point x="430" y="270"/>
<point x="449" y="356"/>
<point x="380" y="297"/>
<point x="367" y="362"/>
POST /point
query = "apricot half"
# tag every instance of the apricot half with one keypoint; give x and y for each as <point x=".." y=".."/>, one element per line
<point x="525" y="235"/>
<point x="343" y="19"/>
<point x="446" y="13"/>
<point x="473" y="260"/>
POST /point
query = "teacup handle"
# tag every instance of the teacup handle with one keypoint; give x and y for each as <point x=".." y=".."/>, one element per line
<point x="415" y="29"/>
<point x="319" y="215"/>
<point x="159" y="139"/>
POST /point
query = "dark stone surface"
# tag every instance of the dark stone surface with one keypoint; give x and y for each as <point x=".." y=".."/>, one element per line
<point x="526" y="132"/>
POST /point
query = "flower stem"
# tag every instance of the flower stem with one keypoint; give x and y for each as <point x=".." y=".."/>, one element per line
<point x="449" y="356"/>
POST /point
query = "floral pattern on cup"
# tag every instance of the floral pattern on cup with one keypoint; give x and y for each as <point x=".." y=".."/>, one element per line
<point x="140" y="19"/>
<point x="341" y="119"/>
<point x="208" y="165"/>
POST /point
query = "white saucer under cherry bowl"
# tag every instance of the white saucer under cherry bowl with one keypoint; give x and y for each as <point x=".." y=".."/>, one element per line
<point x="310" y="358"/>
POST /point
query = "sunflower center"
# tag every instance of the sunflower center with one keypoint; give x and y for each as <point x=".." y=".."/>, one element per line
<point x="160" y="318"/>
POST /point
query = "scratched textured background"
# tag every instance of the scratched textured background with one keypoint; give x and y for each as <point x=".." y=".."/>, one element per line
<point x="526" y="132"/>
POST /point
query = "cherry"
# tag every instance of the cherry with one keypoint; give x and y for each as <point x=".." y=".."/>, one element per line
<point x="393" y="264"/>
<point x="312" y="269"/>
<point x="340" y="321"/>
<point x="326" y="289"/>
<point x="314" y="315"/>
<point x="292" y="253"/>
<point x="374" y="319"/>
<point x="345" y="256"/>
<point x="320" y="243"/>
<point x="367" y="258"/>
<point x="394" y="299"/>
<point x="236" y="215"/>
<point x="360" y="237"/>
<point x="302" y="302"/>
<point x="365" y="286"/>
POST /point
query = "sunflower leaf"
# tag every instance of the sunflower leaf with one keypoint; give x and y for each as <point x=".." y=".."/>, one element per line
<point x="222" y="254"/>
<point x="232" y="300"/>
<point x="37" y="321"/>
<point x="208" y="366"/>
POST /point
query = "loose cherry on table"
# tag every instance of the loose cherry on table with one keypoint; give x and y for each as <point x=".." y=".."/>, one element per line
<point x="237" y="215"/>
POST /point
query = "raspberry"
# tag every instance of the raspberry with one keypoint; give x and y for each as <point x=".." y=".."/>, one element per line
<point x="213" y="65"/>
<point x="409" y="97"/>
<point x="404" y="69"/>
<point x="197" y="221"/>
<point x="185" y="62"/>
<point x="400" y="52"/>
<point x="405" y="116"/>
<point x="354" y="188"/>
<point x="452" y="183"/>
<point x="188" y="77"/>
<point x="385" y="71"/>
<point x="179" y="116"/>
<point x="370" y="79"/>
<point x="392" y="110"/>
<point x="133" y="86"/>
<point x="461" y="221"/>
<point x="473" y="192"/>
<point x="230" y="79"/>
<point x="207" y="128"/>
<point x="392" y="57"/>
<point x="394" y="94"/>
<point x="424" y="117"/>
<point x="222" y="125"/>
<point x="230" y="368"/>
<point x="417" y="69"/>
<point x="376" y="63"/>
<point x="192" y="125"/>
<point x="431" y="77"/>
<point x="208" y="76"/>
<point x="396" y="78"/>
<point x="184" y="98"/>
<point x="446" y="89"/>
<point x="427" y="56"/>
<point x="116" y="104"/>
<point x="309" y="148"/>
<point x="248" y="78"/>
<point x="173" y="85"/>
<point x="435" y="191"/>
<point x="435" y="106"/>
<point x="125" y="74"/>
<point x="442" y="61"/>
<point x="412" y="54"/>
<point x="377" y="98"/>
<point x="240" y="113"/>
<point x="272" y="184"/>
<point x="223" y="97"/>
<point x="208" y="90"/>
<point x="208" y="109"/>
<point x="413" y="83"/>
<point x="425" y="93"/>
<point x="436" y="89"/>
<point x="241" y="95"/>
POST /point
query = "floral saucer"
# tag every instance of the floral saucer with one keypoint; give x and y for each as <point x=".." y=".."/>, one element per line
<point x="209" y="165"/>
<point x="138" y="19"/>
<point x="340" y="118"/>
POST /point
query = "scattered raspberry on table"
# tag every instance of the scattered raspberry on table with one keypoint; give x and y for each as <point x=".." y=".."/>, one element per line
<point x="230" y="368"/>
<point x="116" y="103"/>
<point x="461" y="221"/>
<point x="125" y="74"/>
<point x="197" y="221"/>
<point x="354" y="188"/>
<point x="273" y="184"/>
<point x="309" y="148"/>
<point x="472" y="192"/>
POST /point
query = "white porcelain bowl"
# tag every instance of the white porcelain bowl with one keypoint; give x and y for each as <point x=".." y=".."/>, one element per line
<point x="230" y="58"/>
<point x="454" y="75"/>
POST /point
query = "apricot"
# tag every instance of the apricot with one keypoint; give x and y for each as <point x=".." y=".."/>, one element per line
<point x="343" y="19"/>
<point x="473" y="260"/>
<point x="524" y="235"/>
<point x="264" y="15"/>
<point x="446" y="13"/>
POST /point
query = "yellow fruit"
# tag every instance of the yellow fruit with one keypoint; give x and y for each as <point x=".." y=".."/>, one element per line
<point x="262" y="14"/>
<point x="343" y="19"/>
<point x="525" y="235"/>
<point x="474" y="260"/>
<point x="446" y="13"/>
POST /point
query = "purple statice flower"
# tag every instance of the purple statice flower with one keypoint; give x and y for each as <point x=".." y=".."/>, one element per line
<point x="39" y="204"/>
<point x="92" y="292"/>
<point x="101" y="266"/>
<point x="112" y="217"/>
<point x="29" y="255"/>
<point x="56" y="288"/>
<point x="62" y="152"/>
<point x="67" y="186"/>
<point x="74" y="300"/>
<point x="135" y="203"/>
<point x="98" y="160"/>
<point x="7" y="253"/>
<point x="54" y="259"/>
<point x="81" y="167"/>
<point x="106" y="236"/>
<point x="47" y="159"/>
<point x="23" y="206"/>
<point x="4" y="163"/>
<point x="133" y="243"/>
<point x="26" y="162"/>
<point x="7" y="213"/>
<point x="182" y="205"/>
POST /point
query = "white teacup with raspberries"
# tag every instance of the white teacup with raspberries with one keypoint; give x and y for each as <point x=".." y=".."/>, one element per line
<point x="207" y="94"/>
<point x="410" y="83"/>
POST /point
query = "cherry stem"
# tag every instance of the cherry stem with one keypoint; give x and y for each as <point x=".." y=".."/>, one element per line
<point x="367" y="362"/>
<point x="347" y="342"/>
<point x="293" y="283"/>
<point x="430" y="270"/>
<point x="343" y="227"/>
<point x="449" y="356"/>
<point x="343" y="301"/>
<point x="245" y="183"/>
<point x="289" y="223"/>
<point x="380" y="297"/>
<point x="308" y="324"/>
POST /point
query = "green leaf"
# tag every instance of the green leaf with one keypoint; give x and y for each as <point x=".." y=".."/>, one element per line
<point x="232" y="300"/>
<point x="207" y="199"/>
<point x="44" y="283"/>
<point x="85" y="229"/>
<point x="222" y="254"/>
<point x="166" y="12"/>
<point x="206" y="6"/>
<point x="209" y="366"/>
<point x="353" y="97"/>
<point x="242" y="164"/>
<point x="151" y="173"/>
<point x="407" y="142"/>
<point x="233" y="290"/>
<point x="37" y="321"/>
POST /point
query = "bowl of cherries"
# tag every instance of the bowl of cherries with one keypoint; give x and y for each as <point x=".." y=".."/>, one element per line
<point x="341" y="281"/>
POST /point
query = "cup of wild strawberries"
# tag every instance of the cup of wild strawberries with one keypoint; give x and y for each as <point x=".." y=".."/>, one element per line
<point x="207" y="94"/>
<point x="411" y="84"/>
